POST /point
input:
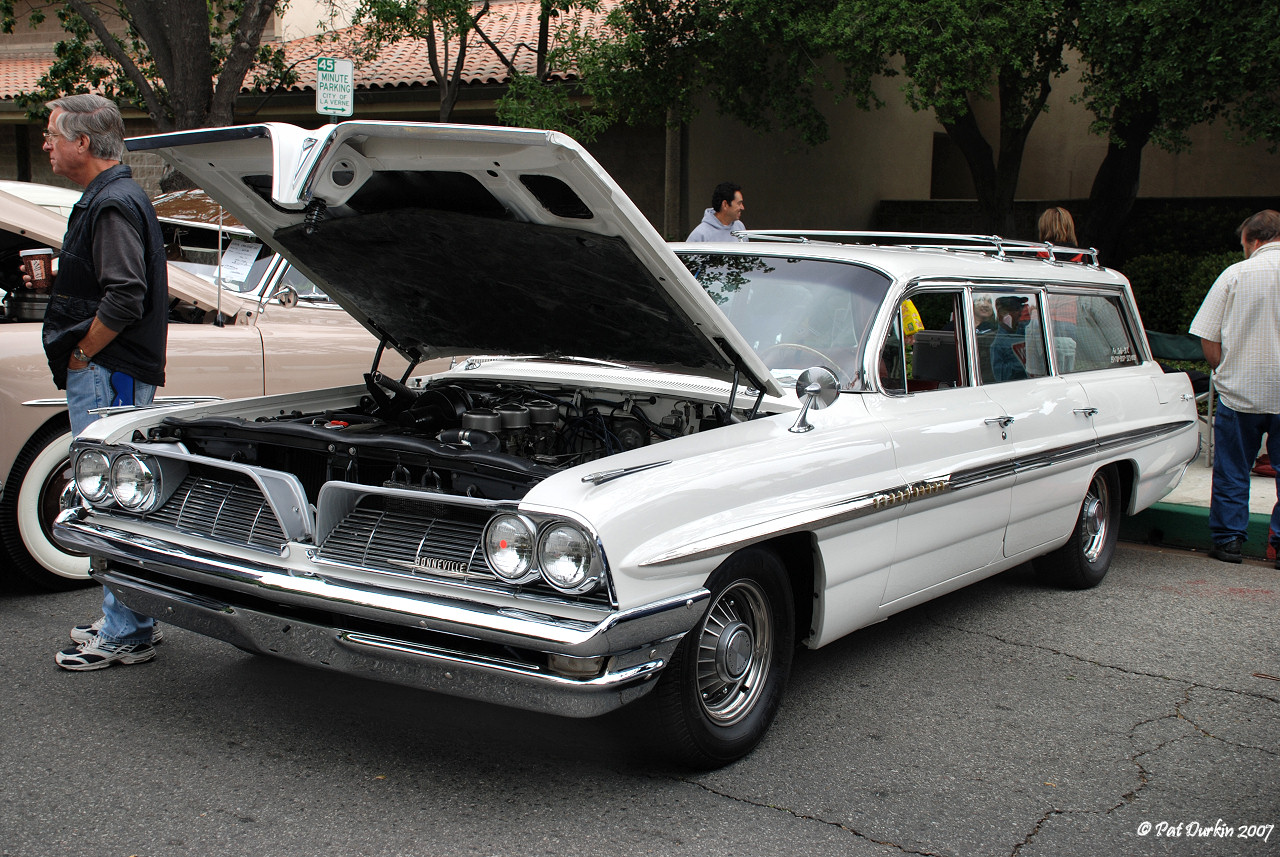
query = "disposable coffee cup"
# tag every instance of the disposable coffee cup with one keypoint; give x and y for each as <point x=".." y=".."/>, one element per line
<point x="38" y="265"/>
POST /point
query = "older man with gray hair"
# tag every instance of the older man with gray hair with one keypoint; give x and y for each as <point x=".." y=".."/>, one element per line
<point x="106" y="328"/>
<point x="1239" y="329"/>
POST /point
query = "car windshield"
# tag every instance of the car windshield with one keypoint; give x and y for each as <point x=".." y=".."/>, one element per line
<point x="795" y="313"/>
<point x="245" y="263"/>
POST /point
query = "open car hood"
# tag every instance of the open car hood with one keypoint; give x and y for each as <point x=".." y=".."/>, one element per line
<point x="447" y="240"/>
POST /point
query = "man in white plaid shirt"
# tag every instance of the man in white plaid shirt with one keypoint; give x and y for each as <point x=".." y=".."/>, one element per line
<point x="1239" y="329"/>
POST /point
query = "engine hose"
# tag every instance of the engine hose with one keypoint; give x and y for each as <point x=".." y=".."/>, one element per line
<point x="480" y="441"/>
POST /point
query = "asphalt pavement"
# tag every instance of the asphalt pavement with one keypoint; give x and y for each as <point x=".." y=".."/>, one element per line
<point x="1138" y="718"/>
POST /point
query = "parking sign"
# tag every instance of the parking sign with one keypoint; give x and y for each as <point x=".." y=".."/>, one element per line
<point x="335" y="85"/>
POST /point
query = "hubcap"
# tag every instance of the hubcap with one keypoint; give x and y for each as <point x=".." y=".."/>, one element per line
<point x="735" y="652"/>
<point x="1093" y="518"/>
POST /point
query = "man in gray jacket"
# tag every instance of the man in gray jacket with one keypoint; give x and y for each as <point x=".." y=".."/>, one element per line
<point x="723" y="218"/>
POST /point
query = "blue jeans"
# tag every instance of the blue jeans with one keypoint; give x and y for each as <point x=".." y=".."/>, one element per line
<point x="88" y="388"/>
<point x="1237" y="437"/>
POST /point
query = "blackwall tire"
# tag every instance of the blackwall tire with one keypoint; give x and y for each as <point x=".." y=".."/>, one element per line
<point x="722" y="689"/>
<point x="28" y="508"/>
<point x="1084" y="560"/>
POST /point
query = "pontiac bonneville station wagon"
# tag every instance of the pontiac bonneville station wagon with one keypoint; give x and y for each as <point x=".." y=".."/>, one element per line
<point x="652" y="470"/>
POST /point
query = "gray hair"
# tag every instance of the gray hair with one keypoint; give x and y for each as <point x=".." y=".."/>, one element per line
<point x="1263" y="226"/>
<point x="97" y="118"/>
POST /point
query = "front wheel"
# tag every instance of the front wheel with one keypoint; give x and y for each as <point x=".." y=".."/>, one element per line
<point x="30" y="503"/>
<point x="718" y="696"/>
<point x="1086" y="557"/>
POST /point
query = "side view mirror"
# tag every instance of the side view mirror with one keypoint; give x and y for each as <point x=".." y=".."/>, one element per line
<point x="817" y="388"/>
<point x="288" y="296"/>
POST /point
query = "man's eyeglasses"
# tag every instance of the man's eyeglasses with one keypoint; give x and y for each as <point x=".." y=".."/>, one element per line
<point x="51" y="135"/>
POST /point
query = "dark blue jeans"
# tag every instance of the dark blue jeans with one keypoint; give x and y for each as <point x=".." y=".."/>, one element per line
<point x="1237" y="438"/>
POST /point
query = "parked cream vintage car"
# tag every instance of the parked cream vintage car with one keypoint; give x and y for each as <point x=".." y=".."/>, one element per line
<point x="633" y="503"/>
<point x="260" y="347"/>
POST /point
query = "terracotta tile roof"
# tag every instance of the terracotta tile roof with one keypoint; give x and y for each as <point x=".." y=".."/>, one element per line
<point x="403" y="64"/>
<point x="19" y="74"/>
<point x="406" y="63"/>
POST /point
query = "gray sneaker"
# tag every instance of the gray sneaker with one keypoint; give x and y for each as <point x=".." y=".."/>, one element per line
<point x="99" y="654"/>
<point x="85" y="633"/>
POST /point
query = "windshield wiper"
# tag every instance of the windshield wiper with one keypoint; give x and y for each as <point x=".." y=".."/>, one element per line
<point x="475" y="362"/>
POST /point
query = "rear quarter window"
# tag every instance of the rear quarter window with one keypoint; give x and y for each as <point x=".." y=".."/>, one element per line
<point x="1090" y="332"/>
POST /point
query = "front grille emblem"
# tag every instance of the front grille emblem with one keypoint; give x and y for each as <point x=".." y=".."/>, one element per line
<point x="431" y="564"/>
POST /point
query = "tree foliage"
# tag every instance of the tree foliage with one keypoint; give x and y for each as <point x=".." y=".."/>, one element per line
<point x="183" y="62"/>
<point x="954" y="54"/>
<point x="1154" y="69"/>
<point x="754" y="59"/>
<point x="446" y="26"/>
<point x="766" y="63"/>
<point x="451" y="28"/>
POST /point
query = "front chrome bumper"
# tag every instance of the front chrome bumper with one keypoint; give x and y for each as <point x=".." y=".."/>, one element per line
<point x="454" y="646"/>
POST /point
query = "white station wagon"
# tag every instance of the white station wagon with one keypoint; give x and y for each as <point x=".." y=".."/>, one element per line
<point x="677" y="462"/>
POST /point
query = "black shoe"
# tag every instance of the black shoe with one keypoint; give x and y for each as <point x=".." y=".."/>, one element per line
<point x="1228" y="551"/>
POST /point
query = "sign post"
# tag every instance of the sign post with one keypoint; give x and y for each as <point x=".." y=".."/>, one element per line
<point x="335" y="87"/>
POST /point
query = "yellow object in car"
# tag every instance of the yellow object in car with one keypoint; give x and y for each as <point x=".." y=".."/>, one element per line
<point x="911" y="321"/>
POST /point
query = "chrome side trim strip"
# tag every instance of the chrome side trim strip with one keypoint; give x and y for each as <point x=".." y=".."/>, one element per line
<point x="160" y="402"/>
<point x="866" y="504"/>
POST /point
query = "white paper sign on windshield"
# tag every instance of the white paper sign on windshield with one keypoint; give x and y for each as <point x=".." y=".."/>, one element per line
<point x="237" y="261"/>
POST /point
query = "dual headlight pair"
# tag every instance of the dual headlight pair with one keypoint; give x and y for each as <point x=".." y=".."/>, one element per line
<point x="560" y="552"/>
<point x="130" y="480"/>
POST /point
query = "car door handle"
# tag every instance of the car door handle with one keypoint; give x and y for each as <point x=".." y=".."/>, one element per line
<point x="1087" y="412"/>
<point x="1003" y="422"/>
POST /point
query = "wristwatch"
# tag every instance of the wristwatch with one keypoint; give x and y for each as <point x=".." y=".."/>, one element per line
<point x="79" y="354"/>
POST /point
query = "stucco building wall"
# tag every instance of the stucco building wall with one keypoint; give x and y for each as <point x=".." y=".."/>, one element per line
<point x="895" y="153"/>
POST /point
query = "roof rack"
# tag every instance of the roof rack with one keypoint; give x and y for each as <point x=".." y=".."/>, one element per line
<point x="991" y="245"/>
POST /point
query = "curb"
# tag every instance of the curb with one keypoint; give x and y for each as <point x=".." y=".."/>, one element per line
<point x="1181" y="526"/>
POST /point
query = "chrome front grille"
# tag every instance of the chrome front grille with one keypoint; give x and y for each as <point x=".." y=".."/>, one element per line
<point x="399" y="540"/>
<point x="234" y="512"/>
<point x="428" y="540"/>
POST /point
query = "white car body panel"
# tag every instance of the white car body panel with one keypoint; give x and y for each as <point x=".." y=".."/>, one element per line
<point x="426" y="519"/>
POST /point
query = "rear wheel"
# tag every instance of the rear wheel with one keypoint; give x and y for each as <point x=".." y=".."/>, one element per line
<point x="719" y="694"/>
<point x="1084" y="560"/>
<point x="30" y="504"/>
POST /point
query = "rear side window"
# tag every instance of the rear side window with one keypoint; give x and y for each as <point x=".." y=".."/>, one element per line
<point x="1090" y="333"/>
<point x="1010" y="335"/>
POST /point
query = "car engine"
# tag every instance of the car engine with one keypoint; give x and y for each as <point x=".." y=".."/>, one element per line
<point x="487" y="439"/>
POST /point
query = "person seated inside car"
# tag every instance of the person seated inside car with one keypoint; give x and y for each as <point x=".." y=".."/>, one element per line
<point x="1006" y="365"/>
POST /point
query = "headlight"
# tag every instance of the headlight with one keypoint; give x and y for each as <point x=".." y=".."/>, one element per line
<point x="93" y="476"/>
<point x="135" y="482"/>
<point x="508" y="545"/>
<point x="565" y="554"/>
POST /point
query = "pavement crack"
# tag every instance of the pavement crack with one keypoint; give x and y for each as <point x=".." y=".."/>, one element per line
<point x="804" y="817"/>
<point x="1194" y="724"/>
<point x="1179" y="712"/>
<point x="1100" y="664"/>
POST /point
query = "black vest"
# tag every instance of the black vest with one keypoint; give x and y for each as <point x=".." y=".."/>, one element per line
<point x="139" y="349"/>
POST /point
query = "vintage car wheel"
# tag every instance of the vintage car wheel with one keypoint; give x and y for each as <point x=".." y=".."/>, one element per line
<point x="723" y="687"/>
<point x="1086" y="557"/>
<point x="29" y="506"/>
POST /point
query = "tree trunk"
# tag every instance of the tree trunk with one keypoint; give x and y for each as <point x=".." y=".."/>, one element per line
<point x="1115" y="187"/>
<point x="967" y="136"/>
<point x="177" y="33"/>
